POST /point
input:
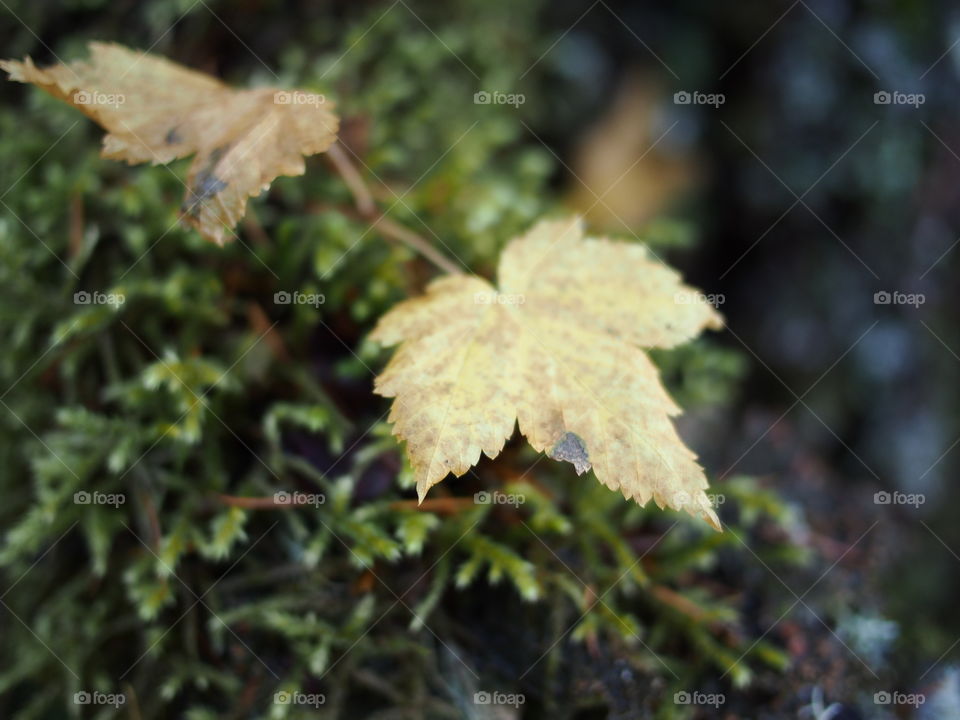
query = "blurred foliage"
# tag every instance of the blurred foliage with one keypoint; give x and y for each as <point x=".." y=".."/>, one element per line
<point x="199" y="392"/>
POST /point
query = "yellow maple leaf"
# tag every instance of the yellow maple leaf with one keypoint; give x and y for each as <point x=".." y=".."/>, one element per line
<point x="556" y="346"/>
<point x="156" y="111"/>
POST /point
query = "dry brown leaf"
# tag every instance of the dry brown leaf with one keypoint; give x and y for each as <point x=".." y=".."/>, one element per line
<point x="556" y="347"/>
<point x="156" y="111"/>
<point x="628" y="168"/>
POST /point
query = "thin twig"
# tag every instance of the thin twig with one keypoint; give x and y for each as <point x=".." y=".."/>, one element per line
<point x="367" y="209"/>
<point x="258" y="503"/>
<point x="443" y="506"/>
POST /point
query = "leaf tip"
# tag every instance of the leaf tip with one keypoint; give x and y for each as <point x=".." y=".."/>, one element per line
<point x="711" y="517"/>
<point x="422" y="490"/>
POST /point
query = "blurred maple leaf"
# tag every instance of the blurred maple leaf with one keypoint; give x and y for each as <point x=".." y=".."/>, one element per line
<point x="631" y="165"/>
<point x="156" y="111"/>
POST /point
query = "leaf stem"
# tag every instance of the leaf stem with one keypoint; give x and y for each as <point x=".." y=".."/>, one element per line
<point x="367" y="209"/>
<point x="351" y="177"/>
<point x="396" y="231"/>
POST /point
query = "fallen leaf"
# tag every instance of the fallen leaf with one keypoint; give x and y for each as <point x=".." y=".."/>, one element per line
<point x="558" y="347"/>
<point x="155" y="110"/>
<point x="632" y="165"/>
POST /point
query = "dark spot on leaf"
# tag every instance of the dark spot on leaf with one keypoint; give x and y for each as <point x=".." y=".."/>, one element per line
<point x="205" y="186"/>
<point x="571" y="449"/>
<point x="172" y="138"/>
